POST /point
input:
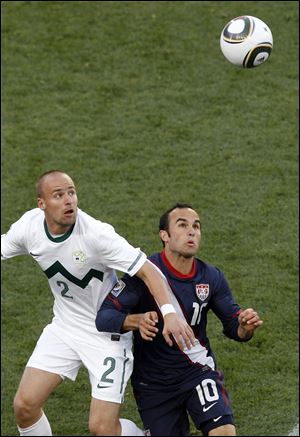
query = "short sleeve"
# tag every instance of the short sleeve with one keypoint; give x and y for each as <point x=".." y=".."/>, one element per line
<point x="13" y="242"/>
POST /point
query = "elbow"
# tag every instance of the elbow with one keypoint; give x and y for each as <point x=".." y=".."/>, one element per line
<point x="105" y="321"/>
<point x="100" y="323"/>
<point x="109" y="321"/>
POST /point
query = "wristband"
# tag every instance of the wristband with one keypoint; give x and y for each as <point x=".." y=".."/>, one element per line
<point x="167" y="308"/>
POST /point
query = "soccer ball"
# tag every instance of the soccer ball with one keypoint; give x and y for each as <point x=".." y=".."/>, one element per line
<point x="246" y="41"/>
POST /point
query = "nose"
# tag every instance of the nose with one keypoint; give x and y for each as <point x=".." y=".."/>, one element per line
<point x="68" y="198"/>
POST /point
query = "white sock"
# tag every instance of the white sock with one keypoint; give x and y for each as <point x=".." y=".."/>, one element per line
<point x="129" y="428"/>
<point x="40" y="428"/>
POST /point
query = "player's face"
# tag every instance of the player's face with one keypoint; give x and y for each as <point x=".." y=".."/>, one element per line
<point x="59" y="202"/>
<point x="184" y="233"/>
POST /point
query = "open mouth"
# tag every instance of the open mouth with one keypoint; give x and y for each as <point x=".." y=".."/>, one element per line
<point x="69" y="212"/>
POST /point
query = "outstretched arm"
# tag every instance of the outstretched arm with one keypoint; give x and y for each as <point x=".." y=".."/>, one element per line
<point x="173" y="323"/>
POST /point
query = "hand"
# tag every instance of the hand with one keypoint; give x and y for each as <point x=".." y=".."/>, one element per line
<point x="176" y="326"/>
<point x="249" y="320"/>
<point x="147" y="325"/>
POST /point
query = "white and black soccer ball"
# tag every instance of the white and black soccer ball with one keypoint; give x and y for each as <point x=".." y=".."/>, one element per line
<point x="246" y="41"/>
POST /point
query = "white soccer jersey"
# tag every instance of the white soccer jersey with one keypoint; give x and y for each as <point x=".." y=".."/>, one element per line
<point x="80" y="265"/>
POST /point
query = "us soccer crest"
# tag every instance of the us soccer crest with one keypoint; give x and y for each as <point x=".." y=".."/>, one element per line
<point x="202" y="291"/>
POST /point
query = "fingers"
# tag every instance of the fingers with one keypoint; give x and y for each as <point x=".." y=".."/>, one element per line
<point x="167" y="337"/>
<point x="249" y="317"/>
<point x="146" y="336"/>
<point x="177" y="327"/>
<point x="188" y="337"/>
<point x="147" y="326"/>
<point x="151" y="318"/>
<point x="186" y="341"/>
<point x="153" y="315"/>
<point x="181" y="340"/>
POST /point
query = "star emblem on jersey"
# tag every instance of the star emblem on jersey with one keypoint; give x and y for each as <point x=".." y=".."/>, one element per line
<point x="79" y="257"/>
<point x="202" y="291"/>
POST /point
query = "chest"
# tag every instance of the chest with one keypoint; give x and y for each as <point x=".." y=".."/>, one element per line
<point x="73" y="255"/>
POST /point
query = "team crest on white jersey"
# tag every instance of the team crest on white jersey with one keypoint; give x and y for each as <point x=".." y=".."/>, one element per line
<point x="118" y="288"/>
<point x="79" y="257"/>
<point x="202" y="291"/>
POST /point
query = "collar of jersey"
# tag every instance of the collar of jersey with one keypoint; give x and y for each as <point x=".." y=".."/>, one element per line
<point x="62" y="237"/>
<point x="176" y="272"/>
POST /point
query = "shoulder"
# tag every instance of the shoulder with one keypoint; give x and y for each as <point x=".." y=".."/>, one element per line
<point x="135" y="281"/>
<point x="102" y="237"/>
<point x="155" y="259"/>
<point x="17" y="240"/>
<point x="93" y="224"/>
<point x="209" y="270"/>
<point x="32" y="214"/>
<point x="30" y="218"/>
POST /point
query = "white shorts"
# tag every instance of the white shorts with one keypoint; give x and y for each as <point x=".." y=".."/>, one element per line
<point x="107" y="357"/>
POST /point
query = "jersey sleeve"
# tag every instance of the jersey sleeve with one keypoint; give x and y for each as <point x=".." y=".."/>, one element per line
<point x="117" y="253"/>
<point x="13" y="243"/>
<point x="225" y="307"/>
<point x="120" y="302"/>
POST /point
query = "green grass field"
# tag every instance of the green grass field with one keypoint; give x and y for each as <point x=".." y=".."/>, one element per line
<point x="135" y="100"/>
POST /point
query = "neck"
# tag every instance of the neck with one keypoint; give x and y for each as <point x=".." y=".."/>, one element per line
<point x="183" y="265"/>
<point x="57" y="229"/>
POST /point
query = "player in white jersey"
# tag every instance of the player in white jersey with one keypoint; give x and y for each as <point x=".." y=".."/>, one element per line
<point x="79" y="256"/>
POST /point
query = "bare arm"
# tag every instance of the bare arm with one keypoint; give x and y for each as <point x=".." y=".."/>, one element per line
<point x="173" y="323"/>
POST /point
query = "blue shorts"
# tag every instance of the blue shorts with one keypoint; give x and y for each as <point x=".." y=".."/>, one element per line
<point x="166" y="412"/>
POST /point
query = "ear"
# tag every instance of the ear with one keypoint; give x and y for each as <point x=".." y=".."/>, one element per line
<point x="41" y="203"/>
<point x="164" y="236"/>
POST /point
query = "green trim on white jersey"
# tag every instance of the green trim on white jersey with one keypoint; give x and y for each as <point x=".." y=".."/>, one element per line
<point x="58" y="239"/>
<point x="57" y="267"/>
<point x="80" y="265"/>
